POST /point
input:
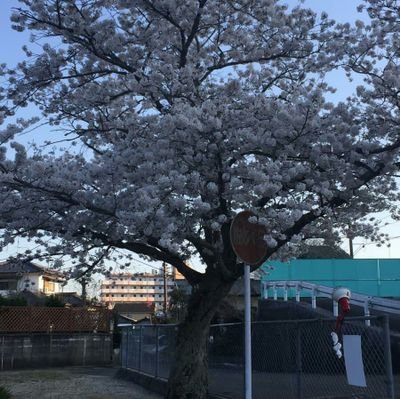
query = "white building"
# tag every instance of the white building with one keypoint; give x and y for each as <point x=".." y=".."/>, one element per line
<point x="22" y="276"/>
<point x="138" y="288"/>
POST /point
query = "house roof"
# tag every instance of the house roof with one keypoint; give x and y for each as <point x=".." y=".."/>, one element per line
<point x="136" y="307"/>
<point x="21" y="266"/>
<point x="70" y="298"/>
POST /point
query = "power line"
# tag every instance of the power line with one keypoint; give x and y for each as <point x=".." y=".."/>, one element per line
<point x="365" y="244"/>
<point x="159" y="268"/>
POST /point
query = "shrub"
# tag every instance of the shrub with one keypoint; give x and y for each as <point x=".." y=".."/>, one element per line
<point x="5" y="393"/>
<point x="12" y="301"/>
<point x="53" y="302"/>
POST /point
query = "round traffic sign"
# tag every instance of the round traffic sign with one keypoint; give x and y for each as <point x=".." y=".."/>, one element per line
<point x="247" y="239"/>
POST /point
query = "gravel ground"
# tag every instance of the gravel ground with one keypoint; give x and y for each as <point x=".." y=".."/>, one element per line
<point x="71" y="383"/>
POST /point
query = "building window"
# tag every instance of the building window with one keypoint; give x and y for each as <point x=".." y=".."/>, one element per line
<point x="8" y="285"/>
<point x="49" y="286"/>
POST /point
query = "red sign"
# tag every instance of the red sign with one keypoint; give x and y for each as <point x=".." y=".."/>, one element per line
<point x="247" y="239"/>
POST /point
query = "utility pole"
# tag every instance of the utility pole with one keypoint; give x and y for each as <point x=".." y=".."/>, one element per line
<point x="165" y="288"/>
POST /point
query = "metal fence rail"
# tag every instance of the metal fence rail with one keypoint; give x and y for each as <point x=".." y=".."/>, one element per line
<point x="291" y="359"/>
<point x="20" y="351"/>
<point x="300" y="288"/>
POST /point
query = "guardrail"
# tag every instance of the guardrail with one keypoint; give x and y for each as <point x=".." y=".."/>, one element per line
<point x="316" y="290"/>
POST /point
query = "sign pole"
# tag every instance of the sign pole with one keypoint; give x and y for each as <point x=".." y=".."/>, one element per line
<point x="247" y="240"/>
<point x="247" y="334"/>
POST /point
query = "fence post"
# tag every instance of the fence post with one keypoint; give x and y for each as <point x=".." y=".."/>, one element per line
<point x="2" y="352"/>
<point x="121" y="346"/>
<point x="299" y="366"/>
<point x="335" y="309"/>
<point x="124" y="335"/>
<point x="127" y="347"/>
<point x="84" y="354"/>
<point x="367" y="313"/>
<point x="140" y="348"/>
<point x="297" y="293"/>
<point x="265" y="290"/>
<point x="388" y="358"/>
<point x="157" y="350"/>
<point x="314" y="299"/>
<point x="50" y="348"/>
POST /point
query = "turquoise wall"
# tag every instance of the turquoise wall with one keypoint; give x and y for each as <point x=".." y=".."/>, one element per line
<point x="375" y="277"/>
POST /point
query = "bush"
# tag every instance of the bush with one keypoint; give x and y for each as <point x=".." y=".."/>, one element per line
<point x="12" y="301"/>
<point x="53" y="302"/>
<point x="5" y="393"/>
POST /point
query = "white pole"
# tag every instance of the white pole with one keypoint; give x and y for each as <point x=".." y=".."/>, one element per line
<point x="265" y="290"/>
<point x="314" y="300"/>
<point x="367" y="313"/>
<point x="247" y="333"/>
<point x="335" y="309"/>
<point x="297" y="293"/>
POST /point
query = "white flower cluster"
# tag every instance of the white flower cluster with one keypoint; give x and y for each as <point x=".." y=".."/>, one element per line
<point x="188" y="115"/>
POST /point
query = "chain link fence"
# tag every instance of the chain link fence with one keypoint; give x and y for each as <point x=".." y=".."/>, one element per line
<point x="39" y="350"/>
<point x="149" y="349"/>
<point x="290" y="359"/>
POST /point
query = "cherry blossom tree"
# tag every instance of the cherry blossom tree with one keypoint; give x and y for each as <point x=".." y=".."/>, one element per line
<point x="175" y="116"/>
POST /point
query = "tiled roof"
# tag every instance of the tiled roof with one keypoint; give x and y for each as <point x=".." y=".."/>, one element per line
<point x="137" y="307"/>
<point x="26" y="267"/>
<point x="71" y="298"/>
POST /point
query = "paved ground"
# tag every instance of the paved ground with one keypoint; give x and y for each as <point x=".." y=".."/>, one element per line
<point x="101" y="383"/>
<point x="228" y="383"/>
<point x="71" y="383"/>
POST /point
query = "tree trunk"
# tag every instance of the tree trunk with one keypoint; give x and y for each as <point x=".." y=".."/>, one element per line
<point x="189" y="376"/>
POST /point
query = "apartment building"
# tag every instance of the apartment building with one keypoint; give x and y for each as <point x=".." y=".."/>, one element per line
<point x="137" y="288"/>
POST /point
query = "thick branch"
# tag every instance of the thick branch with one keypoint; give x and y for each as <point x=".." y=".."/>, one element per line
<point x="150" y="250"/>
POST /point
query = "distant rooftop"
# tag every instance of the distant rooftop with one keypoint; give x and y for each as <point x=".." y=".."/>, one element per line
<point x="21" y="266"/>
<point x="137" y="307"/>
<point x="130" y="275"/>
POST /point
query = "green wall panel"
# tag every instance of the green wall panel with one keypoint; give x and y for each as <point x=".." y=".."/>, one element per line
<point x="375" y="277"/>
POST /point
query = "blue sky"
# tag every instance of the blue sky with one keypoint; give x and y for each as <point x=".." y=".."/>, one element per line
<point x="340" y="10"/>
<point x="11" y="41"/>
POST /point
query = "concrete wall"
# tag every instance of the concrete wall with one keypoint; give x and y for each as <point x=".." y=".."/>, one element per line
<point x="154" y="384"/>
<point x="375" y="277"/>
<point x="46" y="350"/>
